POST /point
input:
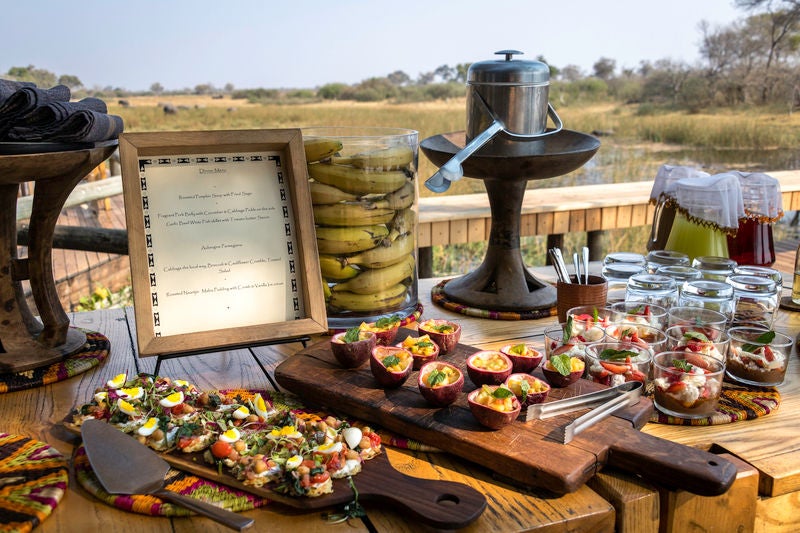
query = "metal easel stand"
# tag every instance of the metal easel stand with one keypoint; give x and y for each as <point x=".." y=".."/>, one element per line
<point x="302" y="339"/>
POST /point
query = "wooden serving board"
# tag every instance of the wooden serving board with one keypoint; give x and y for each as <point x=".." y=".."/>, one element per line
<point x="437" y="503"/>
<point x="526" y="452"/>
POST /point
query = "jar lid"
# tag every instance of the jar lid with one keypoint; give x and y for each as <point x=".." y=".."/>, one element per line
<point x="706" y="288"/>
<point x="508" y="71"/>
<point x="754" y="284"/>
<point x="652" y="283"/>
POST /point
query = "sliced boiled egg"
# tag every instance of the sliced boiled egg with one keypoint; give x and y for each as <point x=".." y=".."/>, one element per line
<point x="127" y="407"/>
<point x="293" y="462"/>
<point x="329" y="449"/>
<point x="285" y="432"/>
<point x="132" y="393"/>
<point x="230" y="436"/>
<point x="352" y="436"/>
<point x="241" y="413"/>
<point x="262" y="407"/>
<point x="181" y="382"/>
<point x="117" y="381"/>
<point x="148" y="427"/>
<point x="101" y="397"/>
<point x="172" y="400"/>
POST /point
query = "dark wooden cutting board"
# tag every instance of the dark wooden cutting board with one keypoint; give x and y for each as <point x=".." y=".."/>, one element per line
<point x="526" y="452"/>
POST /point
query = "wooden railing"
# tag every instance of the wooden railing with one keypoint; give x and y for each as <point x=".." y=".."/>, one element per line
<point x="445" y="220"/>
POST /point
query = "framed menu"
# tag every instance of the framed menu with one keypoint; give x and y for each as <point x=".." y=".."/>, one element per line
<point x="221" y="239"/>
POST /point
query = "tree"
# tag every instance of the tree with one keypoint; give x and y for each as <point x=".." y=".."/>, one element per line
<point x="445" y="73"/>
<point x="156" y="88"/>
<point x="70" y="81"/>
<point x="571" y="73"/>
<point x="228" y="88"/>
<point x="41" y="77"/>
<point x="604" y="68"/>
<point x="425" y="78"/>
<point x="399" y="78"/>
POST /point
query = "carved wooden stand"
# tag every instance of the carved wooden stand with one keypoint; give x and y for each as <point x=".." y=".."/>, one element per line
<point x="25" y="341"/>
<point x="502" y="282"/>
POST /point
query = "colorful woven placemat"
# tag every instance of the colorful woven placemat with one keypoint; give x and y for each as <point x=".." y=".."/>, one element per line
<point x="736" y="403"/>
<point x="92" y="353"/>
<point x="177" y="481"/>
<point x="439" y="298"/>
<point x="33" y="479"/>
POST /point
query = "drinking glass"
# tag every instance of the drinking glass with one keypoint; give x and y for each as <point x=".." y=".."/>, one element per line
<point x="687" y="385"/>
<point x="652" y="288"/>
<point x="714" y="267"/>
<point x="708" y="294"/>
<point x="639" y="313"/>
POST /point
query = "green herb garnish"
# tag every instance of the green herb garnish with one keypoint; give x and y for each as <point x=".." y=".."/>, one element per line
<point x="524" y="387"/>
<point x="682" y="364"/>
<point x="610" y="354"/>
<point x="518" y="349"/>
<point x="567" y="333"/>
<point x="765" y="338"/>
<point x="436" y="377"/>
<point x="391" y="360"/>
<point x="562" y="363"/>
<point x="502" y="392"/>
<point x="352" y="335"/>
<point x="387" y="321"/>
<point x="695" y="335"/>
<point x="595" y="315"/>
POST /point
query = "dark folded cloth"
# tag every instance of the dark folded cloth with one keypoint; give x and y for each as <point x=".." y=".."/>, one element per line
<point x="26" y="100"/>
<point x="9" y="87"/>
<point x="60" y="111"/>
<point x="32" y="114"/>
<point x="79" y="126"/>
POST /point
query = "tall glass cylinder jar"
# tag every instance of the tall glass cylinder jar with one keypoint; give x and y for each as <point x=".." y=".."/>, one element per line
<point x="364" y="190"/>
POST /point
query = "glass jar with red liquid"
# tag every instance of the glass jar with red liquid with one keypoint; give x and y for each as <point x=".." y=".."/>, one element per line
<point x="753" y="243"/>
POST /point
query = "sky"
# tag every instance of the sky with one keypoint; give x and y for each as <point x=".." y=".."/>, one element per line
<point x="132" y="44"/>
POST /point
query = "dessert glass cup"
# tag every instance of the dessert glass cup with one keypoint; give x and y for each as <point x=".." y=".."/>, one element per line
<point x="554" y="340"/>
<point x="648" y="338"/>
<point x="696" y="316"/>
<point x="613" y="363"/>
<point x="585" y="315"/>
<point x="640" y="313"/>
<point x="685" y="338"/>
<point x="755" y="360"/>
<point x="687" y="385"/>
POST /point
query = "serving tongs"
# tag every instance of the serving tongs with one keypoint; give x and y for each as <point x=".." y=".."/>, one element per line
<point x="604" y="403"/>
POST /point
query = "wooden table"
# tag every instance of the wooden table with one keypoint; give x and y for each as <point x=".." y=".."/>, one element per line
<point x="763" y="498"/>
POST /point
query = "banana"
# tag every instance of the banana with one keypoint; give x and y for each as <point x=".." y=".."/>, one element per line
<point x="334" y="270"/>
<point x="320" y="148"/>
<point x="384" y="300"/>
<point x="395" y="157"/>
<point x="349" y="240"/>
<point x="402" y="198"/>
<point x="383" y="256"/>
<point x="378" y="279"/>
<point x="326" y="290"/>
<point x="356" y="180"/>
<point x="322" y="194"/>
<point x="350" y="214"/>
<point x="404" y="222"/>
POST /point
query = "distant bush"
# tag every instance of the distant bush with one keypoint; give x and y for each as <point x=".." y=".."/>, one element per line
<point x="256" y="95"/>
<point x="332" y="91"/>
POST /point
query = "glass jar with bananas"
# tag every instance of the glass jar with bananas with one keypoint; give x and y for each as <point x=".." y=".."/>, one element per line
<point x="364" y="193"/>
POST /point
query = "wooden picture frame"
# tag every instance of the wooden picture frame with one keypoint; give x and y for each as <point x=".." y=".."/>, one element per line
<point x="221" y="240"/>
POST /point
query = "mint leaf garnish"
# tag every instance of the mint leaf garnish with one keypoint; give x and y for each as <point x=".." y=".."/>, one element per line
<point x="562" y="363"/>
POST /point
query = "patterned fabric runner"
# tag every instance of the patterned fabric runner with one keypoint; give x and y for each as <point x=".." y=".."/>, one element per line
<point x="736" y="403"/>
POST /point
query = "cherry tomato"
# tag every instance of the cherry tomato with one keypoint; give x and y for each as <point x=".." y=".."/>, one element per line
<point x="221" y="449"/>
<point x="375" y="439"/>
<point x="320" y="478"/>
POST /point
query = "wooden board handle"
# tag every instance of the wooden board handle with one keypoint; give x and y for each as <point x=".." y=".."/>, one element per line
<point x="438" y="503"/>
<point x="672" y="465"/>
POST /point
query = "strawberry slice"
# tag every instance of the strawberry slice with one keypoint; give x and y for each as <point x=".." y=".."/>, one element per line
<point x="676" y="386"/>
<point x="563" y="349"/>
<point x="769" y="355"/>
<point x="614" y="368"/>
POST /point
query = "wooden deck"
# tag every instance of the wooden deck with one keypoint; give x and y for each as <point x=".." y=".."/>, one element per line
<point x="443" y="220"/>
